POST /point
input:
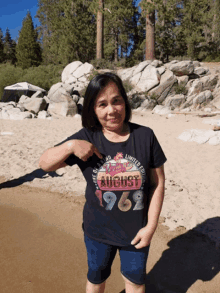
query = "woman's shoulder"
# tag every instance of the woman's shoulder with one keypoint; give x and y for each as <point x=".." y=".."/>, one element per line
<point x="141" y="129"/>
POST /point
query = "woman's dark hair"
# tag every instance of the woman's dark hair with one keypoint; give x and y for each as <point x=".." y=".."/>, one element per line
<point x="99" y="82"/>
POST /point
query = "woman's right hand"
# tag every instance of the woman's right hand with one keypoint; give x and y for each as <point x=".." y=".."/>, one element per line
<point x="84" y="149"/>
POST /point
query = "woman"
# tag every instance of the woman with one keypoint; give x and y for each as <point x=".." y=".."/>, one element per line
<point x="122" y="163"/>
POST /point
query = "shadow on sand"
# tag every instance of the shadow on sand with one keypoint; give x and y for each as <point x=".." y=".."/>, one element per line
<point x="38" y="173"/>
<point x="190" y="257"/>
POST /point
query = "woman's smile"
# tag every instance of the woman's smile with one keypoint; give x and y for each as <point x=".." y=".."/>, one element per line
<point x="110" y="108"/>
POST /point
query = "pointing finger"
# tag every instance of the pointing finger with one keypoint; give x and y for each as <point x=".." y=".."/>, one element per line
<point x="96" y="151"/>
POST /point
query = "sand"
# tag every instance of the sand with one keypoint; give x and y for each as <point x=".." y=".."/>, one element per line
<point x="41" y="217"/>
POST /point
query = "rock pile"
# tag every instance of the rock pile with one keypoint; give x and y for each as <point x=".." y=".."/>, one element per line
<point x="181" y="86"/>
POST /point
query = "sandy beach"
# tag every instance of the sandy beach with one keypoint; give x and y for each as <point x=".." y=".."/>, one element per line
<point x="42" y="246"/>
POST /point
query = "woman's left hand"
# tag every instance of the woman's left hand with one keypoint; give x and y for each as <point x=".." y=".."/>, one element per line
<point x="143" y="237"/>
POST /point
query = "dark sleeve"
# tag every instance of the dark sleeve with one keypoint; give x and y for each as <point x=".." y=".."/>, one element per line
<point x="157" y="155"/>
<point x="72" y="159"/>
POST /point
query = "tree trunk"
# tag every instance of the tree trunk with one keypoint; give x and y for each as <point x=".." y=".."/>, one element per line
<point x="100" y="22"/>
<point x="150" y="41"/>
<point x="116" y="47"/>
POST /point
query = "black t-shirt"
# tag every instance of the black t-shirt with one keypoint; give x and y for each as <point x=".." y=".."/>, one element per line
<point x="117" y="192"/>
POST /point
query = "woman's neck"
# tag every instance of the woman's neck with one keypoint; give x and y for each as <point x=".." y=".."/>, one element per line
<point x="118" y="135"/>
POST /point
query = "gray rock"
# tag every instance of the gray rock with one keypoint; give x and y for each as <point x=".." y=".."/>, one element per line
<point x="4" y="114"/>
<point x="216" y="101"/>
<point x="166" y="82"/>
<point x="201" y="70"/>
<point x="136" y="100"/>
<point x="155" y="63"/>
<point x="161" y="110"/>
<point x="196" y="64"/>
<point x="182" y="80"/>
<point x="34" y="105"/>
<point x="64" y="107"/>
<point x="161" y="70"/>
<point x="68" y="87"/>
<point x="209" y="82"/>
<point x="38" y="94"/>
<point x="175" y="101"/>
<point x="141" y="66"/>
<point x="83" y="69"/>
<point x="148" y="104"/>
<point x="195" y="87"/>
<point x="182" y="68"/>
<point x="42" y="115"/>
<point x="205" y="96"/>
<point x="69" y="69"/>
<point x="150" y="77"/>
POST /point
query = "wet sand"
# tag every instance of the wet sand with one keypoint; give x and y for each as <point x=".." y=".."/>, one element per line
<point x="42" y="249"/>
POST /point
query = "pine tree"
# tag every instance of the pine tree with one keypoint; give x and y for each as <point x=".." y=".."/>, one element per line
<point x="28" y="51"/>
<point x="9" y="48"/>
<point x="195" y="17"/>
<point x="1" y="46"/>
<point x="118" y="27"/>
<point x="67" y="30"/>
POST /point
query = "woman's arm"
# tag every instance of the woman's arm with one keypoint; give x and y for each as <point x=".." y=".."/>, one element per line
<point x="145" y="234"/>
<point x="53" y="158"/>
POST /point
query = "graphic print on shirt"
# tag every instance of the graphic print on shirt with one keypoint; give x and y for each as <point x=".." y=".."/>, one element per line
<point x="125" y="174"/>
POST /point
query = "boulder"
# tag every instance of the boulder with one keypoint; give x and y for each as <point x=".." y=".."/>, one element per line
<point x="34" y="105"/>
<point x="38" y="94"/>
<point x="166" y="82"/>
<point x="4" y="114"/>
<point x="216" y="101"/>
<point x="175" y="101"/>
<point x="16" y="114"/>
<point x="82" y="70"/>
<point x="201" y="70"/>
<point x="196" y="64"/>
<point x="141" y="66"/>
<point x="168" y="64"/>
<point x="55" y="91"/>
<point x="182" y="68"/>
<point x="64" y="107"/>
<point x="161" y="69"/>
<point x="209" y="82"/>
<point x="135" y="79"/>
<point x="136" y="100"/>
<point x="22" y="99"/>
<point x="155" y="63"/>
<point x="127" y="73"/>
<point x="161" y="110"/>
<point x="148" y="104"/>
<point x="182" y="80"/>
<point x="205" y="96"/>
<point x="42" y="115"/>
<point x="68" y="87"/>
<point x="69" y="69"/>
<point x="194" y="87"/>
<point x="150" y="77"/>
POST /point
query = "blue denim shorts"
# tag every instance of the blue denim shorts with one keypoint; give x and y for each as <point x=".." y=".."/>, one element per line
<point x="100" y="257"/>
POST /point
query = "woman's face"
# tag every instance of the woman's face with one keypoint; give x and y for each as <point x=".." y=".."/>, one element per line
<point x="110" y="108"/>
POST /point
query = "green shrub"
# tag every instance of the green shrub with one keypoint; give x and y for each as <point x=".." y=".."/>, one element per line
<point x="9" y="74"/>
<point x="179" y="89"/>
<point x="43" y="76"/>
<point x="127" y="85"/>
<point x="102" y="64"/>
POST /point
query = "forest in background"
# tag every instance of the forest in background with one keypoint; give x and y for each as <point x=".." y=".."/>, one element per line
<point x="188" y="29"/>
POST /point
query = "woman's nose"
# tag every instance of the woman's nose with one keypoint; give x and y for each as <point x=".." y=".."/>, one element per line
<point x="111" y="109"/>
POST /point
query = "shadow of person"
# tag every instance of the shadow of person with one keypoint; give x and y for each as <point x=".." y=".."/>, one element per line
<point x="191" y="256"/>
<point x="38" y="173"/>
